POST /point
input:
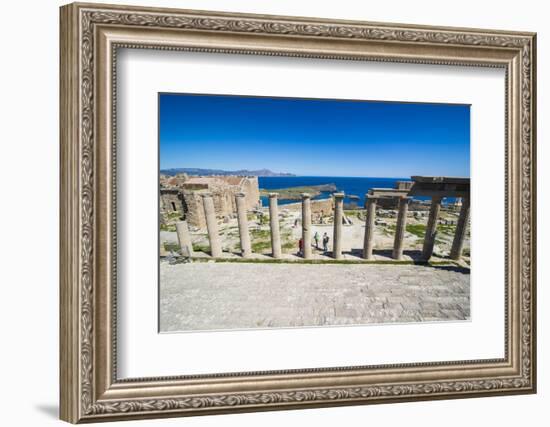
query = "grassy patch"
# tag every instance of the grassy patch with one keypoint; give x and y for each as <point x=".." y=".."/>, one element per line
<point x="446" y="229"/>
<point x="261" y="245"/>
<point x="173" y="215"/>
<point x="440" y="241"/>
<point x="290" y="245"/>
<point x="167" y="227"/>
<point x="419" y="241"/>
<point x="201" y="248"/>
<point x="171" y="247"/>
<point x="263" y="219"/>
<point x="260" y="234"/>
<point x="419" y="230"/>
<point x="261" y="240"/>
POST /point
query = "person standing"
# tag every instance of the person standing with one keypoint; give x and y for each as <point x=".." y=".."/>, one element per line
<point x="325" y="242"/>
<point x="316" y="238"/>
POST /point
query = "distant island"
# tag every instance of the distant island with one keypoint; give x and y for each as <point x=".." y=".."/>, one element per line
<point x="295" y="193"/>
<point x="207" y="172"/>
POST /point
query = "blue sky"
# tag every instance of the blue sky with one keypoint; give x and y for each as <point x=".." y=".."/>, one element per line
<point x="314" y="137"/>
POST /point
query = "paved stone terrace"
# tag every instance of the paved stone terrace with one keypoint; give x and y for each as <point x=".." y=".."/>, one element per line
<point x="224" y="295"/>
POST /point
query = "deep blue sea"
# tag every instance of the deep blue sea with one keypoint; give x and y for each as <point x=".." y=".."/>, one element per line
<point x="351" y="186"/>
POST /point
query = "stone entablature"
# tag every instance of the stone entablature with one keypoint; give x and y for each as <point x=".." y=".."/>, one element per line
<point x="403" y="185"/>
<point x="439" y="186"/>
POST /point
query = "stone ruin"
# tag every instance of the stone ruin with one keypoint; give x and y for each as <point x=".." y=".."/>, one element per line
<point x="321" y="210"/>
<point x="436" y="188"/>
<point x="181" y="197"/>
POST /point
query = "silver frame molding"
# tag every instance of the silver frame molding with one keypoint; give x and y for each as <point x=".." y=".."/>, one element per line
<point x="90" y="36"/>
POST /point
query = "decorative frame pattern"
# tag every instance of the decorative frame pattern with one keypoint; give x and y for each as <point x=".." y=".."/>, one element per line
<point x="90" y="36"/>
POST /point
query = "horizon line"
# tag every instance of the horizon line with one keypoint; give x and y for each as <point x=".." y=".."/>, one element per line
<point x="292" y="175"/>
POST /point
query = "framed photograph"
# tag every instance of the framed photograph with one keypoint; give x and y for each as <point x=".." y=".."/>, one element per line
<point x="265" y="212"/>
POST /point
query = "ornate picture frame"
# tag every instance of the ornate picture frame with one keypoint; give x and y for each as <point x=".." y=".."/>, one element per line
<point x="90" y="37"/>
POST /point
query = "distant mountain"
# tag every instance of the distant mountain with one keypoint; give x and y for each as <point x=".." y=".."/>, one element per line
<point x="206" y="172"/>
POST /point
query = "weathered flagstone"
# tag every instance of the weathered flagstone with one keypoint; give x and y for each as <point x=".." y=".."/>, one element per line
<point x="218" y="295"/>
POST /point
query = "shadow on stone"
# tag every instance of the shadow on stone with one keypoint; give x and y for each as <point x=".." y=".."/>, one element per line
<point x="356" y="252"/>
<point x="455" y="268"/>
<point x="415" y="255"/>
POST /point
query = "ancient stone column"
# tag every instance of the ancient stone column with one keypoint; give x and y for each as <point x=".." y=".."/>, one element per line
<point x="246" y="249"/>
<point x="338" y="216"/>
<point x="184" y="238"/>
<point x="274" y="223"/>
<point x="306" y="225"/>
<point x="460" y="233"/>
<point x="212" y="225"/>
<point x="400" y="228"/>
<point x="431" y="228"/>
<point x="368" y="243"/>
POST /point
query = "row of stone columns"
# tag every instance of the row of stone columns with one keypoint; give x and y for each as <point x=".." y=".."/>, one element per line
<point x="431" y="228"/>
<point x="184" y="239"/>
<point x="460" y="232"/>
<point x="246" y="249"/>
<point x="368" y="245"/>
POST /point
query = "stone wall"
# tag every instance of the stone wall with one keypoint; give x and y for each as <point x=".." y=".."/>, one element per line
<point x="251" y="189"/>
<point x="224" y="198"/>
<point x="322" y="208"/>
<point x="171" y="203"/>
<point x="223" y="190"/>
